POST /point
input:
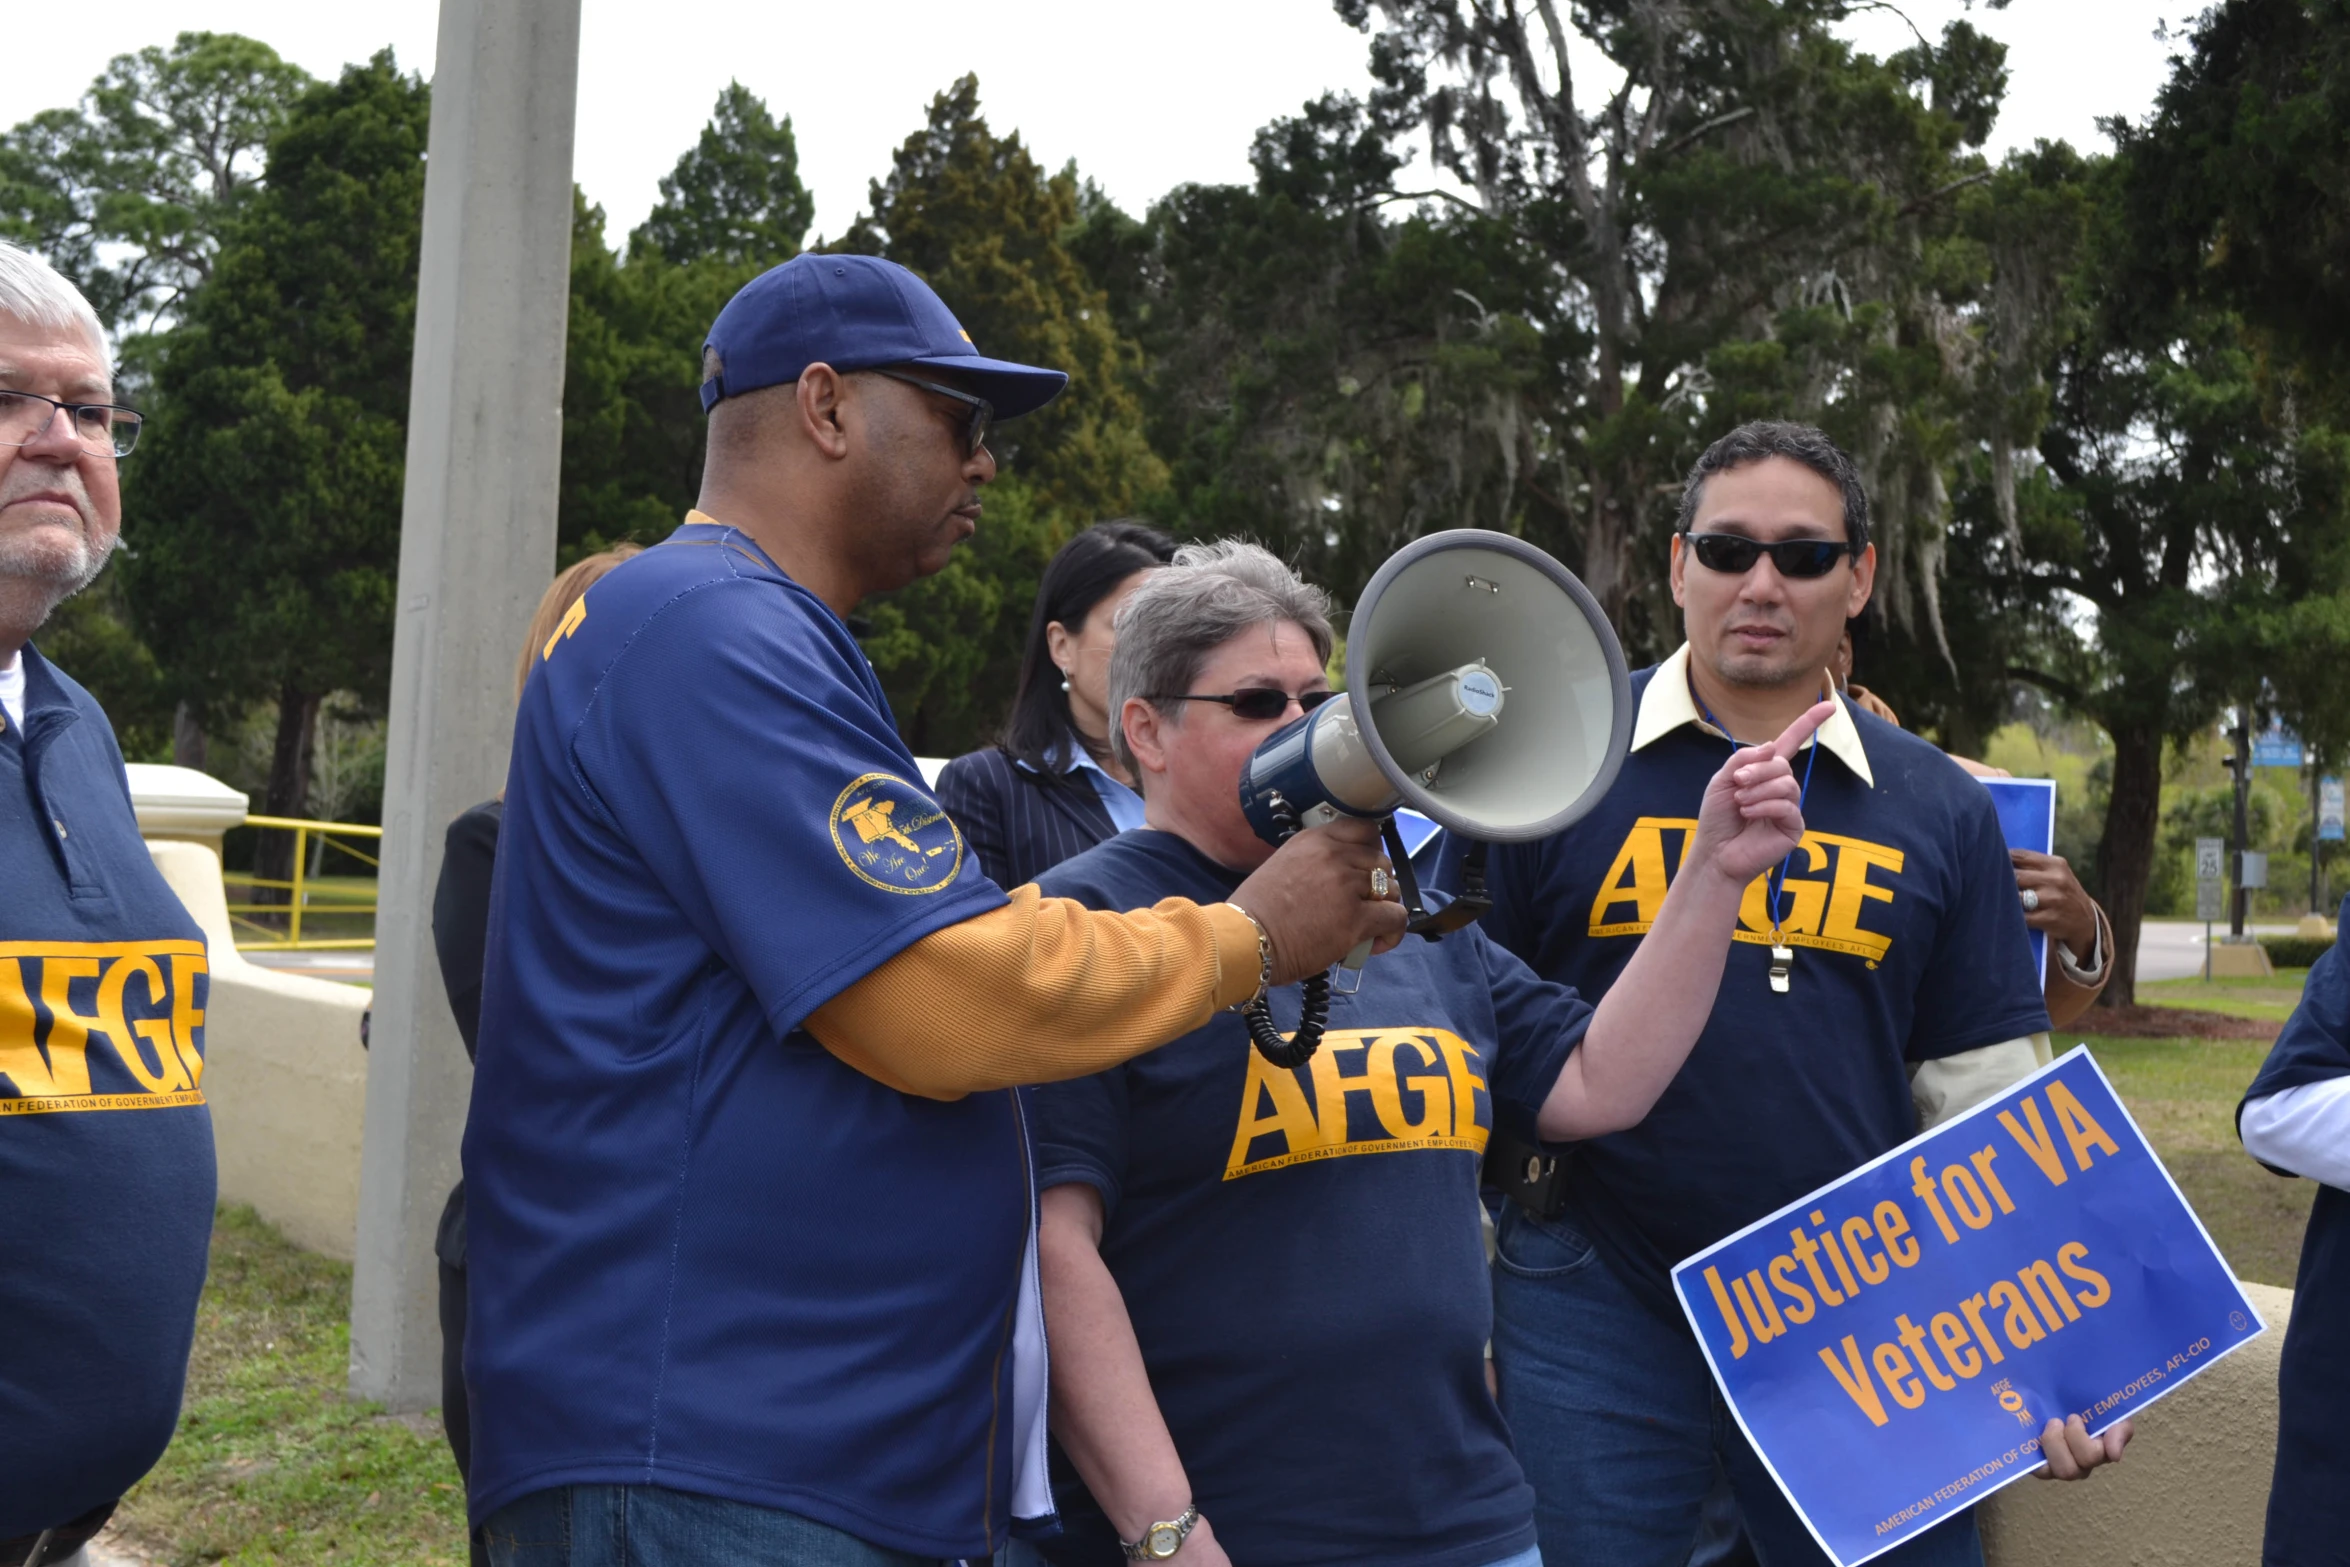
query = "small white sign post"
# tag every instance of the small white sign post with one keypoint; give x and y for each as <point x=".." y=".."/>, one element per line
<point x="2210" y="890"/>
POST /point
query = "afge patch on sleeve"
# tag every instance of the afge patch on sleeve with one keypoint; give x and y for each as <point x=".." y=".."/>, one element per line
<point x="894" y="836"/>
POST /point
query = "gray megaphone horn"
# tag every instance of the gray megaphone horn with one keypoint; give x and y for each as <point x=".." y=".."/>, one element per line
<point x="1484" y="689"/>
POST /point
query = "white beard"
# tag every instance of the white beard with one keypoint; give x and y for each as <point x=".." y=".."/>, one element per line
<point x="37" y="579"/>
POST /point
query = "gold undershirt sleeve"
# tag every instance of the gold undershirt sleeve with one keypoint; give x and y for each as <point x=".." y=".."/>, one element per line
<point x="1039" y="990"/>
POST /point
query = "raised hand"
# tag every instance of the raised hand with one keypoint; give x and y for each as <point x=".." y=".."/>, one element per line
<point x="1752" y="815"/>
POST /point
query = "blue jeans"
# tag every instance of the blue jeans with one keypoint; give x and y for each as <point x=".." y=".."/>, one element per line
<point x="1620" y="1428"/>
<point x="650" y="1526"/>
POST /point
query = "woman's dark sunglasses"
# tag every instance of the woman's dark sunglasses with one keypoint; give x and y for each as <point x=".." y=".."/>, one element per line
<point x="1729" y="552"/>
<point x="982" y="411"/>
<point x="1257" y="703"/>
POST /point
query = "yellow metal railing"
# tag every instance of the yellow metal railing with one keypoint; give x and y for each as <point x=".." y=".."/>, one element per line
<point x="304" y="892"/>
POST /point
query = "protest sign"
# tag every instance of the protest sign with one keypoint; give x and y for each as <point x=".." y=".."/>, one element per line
<point x="2027" y="820"/>
<point x="1894" y="1343"/>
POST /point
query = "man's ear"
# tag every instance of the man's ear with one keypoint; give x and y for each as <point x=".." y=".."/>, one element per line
<point x="1864" y="582"/>
<point x="1146" y="733"/>
<point x="1679" y="569"/>
<point x="823" y="393"/>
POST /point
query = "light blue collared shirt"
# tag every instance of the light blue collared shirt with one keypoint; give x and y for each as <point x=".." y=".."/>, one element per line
<point x="1123" y="804"/>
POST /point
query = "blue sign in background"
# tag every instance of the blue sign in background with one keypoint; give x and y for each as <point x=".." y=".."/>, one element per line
<point x="2091" y="1295"/>
<point x="2276" y="746"/>
<point x="2027" y="820"/>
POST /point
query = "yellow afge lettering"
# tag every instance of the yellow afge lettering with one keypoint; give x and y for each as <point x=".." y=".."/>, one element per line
<point x="1855" y="858"/>
<point x="573" y="619"/>
<point x="1389" y="1085"/>
<point x="1420" y="1088"/>
<point x="1635" y="885"/>
<point x="137" y="997"/>
<point x="1822" y="904"/>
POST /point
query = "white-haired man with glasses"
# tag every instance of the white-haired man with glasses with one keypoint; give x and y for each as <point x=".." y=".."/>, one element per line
<point x="105" y="1145"/>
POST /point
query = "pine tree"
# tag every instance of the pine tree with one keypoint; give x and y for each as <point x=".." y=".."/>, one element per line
<point x="264" y="504"/>
<point x="633" y="428"/>
<point x="977" y="218"/>
<point x="737" y="196"/>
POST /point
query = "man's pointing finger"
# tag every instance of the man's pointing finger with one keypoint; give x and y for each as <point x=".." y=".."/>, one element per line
<point x="1799" y="731"/>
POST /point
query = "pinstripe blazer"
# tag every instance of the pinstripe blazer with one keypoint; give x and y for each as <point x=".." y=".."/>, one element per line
<point x="1020" y="824"/>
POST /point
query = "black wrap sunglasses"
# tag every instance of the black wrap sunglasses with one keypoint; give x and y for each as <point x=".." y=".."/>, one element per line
<point x="975" y="426"/>
<point x="1736" y="555"/>
<point x="1260" y="702"/>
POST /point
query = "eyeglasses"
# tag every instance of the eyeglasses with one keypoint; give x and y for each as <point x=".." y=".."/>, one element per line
<point x="1735" y="554"/>
<point x="982" y="411"/>
<point x="1258" y="703"/>
<point x="107" y="429"/>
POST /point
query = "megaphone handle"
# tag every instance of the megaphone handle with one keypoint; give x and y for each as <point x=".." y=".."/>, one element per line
<point x="1357" y="958"/>
<point x="1407" y="884"/>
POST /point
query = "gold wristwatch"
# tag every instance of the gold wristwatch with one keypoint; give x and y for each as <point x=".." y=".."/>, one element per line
<point x="1162" y="1540"/>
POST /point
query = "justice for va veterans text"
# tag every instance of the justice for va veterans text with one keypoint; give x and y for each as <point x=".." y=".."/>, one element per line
<point x="1837" y="1261"/>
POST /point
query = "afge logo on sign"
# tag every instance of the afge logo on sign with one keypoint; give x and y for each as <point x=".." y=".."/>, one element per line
<point x="894" y="836"/>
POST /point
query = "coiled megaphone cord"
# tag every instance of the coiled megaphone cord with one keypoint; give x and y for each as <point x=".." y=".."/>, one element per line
<point x="1313" y="1014"/>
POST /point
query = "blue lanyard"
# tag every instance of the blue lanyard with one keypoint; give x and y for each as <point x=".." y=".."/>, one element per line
<point x="1802" y="799"/>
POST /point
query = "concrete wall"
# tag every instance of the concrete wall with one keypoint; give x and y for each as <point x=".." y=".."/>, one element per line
<point x="284" y="1074"/>
<point x="2192" y="1491"/>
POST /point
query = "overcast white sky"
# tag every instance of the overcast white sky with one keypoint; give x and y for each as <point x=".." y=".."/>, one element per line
<point x="1143" y="97"/>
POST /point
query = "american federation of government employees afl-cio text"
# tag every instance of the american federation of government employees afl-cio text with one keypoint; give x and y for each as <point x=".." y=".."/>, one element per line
<point x="753" y="1270"/>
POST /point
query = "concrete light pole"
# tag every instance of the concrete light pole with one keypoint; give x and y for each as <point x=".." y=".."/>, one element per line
<point x="477" y="547"/>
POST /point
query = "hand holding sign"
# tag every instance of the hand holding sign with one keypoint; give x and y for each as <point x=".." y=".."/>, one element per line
<point x="2059" y="904"/>
<point x="2073" y="1452"/>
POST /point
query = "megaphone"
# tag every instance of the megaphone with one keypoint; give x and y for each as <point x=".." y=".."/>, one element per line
<point x="1484" y="689"/>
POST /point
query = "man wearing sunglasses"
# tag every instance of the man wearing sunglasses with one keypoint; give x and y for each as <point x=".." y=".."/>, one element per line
<point x="106" y="1164"/>
<point x="751" y="1254"/>
<point x="1881" y="979"/>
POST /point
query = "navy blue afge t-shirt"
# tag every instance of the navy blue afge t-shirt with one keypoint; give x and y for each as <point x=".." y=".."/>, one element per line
<point x="1299" y="1249"/>
<point x="1909" y="944"/>
<point x="704" y="1253"/>
<point x="2309" y="1503"/>
<point x="105" y="1143"/>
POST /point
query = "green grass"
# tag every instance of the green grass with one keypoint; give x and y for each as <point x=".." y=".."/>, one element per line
<point x="321" y="921"/>
<point x="2271" y="1000"/>
<point x="2183" y="1094"/>
<point x="273" y="1463"/>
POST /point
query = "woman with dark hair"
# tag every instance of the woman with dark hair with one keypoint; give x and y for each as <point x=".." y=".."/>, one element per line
<point x="1051" y="788"/>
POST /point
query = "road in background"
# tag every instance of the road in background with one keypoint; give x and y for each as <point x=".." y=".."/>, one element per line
<point x="2173" y="949"/>
<point x="354" y="966"/>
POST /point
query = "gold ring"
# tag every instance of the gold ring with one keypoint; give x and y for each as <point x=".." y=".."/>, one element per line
<point x="1379" y="882"/>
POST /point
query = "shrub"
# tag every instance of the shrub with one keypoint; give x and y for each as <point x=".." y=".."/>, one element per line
<point x="2295" y="951"/>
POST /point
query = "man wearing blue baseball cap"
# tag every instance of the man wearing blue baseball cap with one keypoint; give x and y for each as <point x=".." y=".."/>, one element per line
<point x="752" y="1251"/>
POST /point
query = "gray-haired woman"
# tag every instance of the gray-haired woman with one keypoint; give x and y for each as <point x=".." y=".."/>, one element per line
<point x="1266" y="1340"/>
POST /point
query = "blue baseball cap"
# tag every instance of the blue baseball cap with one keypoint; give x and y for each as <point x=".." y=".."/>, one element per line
<point x="853" y="313"/>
